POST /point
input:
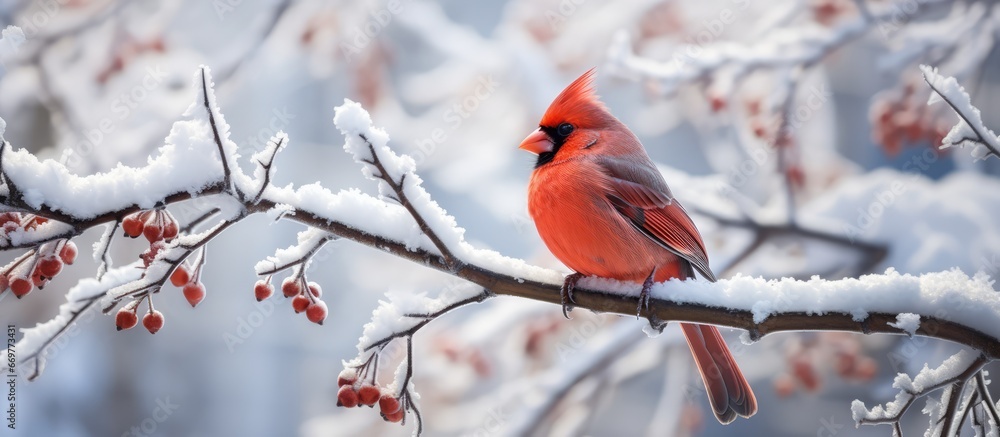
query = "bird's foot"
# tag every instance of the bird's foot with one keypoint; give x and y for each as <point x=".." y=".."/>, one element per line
<point x="647" y="285"/>
<point x="566" y="293"/>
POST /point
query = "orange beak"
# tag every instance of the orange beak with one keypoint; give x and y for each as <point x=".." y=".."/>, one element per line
<point x="538" y="142"/>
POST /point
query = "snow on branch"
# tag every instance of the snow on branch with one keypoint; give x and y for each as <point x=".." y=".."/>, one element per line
<point x="960" y="373"/>
<point x="970" y="130"/>
<point x="780" y="49"/>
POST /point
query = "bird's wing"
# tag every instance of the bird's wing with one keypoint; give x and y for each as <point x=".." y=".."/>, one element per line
<point x="641" y="195"/>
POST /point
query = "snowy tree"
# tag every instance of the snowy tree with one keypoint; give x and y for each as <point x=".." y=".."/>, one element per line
<point x="808" y="240"/>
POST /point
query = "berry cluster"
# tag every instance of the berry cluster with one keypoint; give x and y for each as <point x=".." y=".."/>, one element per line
<point x="157" y="225"/>
<point x="127" y="317"/>
<point x="38" y="267"/>
<point x="296" y="287"/>
<point x="154" y="224"/>
<point x="901" y="117"/>
<point x="352" y="394"/>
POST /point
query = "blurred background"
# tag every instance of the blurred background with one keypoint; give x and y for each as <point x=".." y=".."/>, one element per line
<point x="796" y="132"/>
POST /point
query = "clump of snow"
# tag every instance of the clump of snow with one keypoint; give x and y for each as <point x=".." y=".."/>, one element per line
<point x="188" y="162"/>
<point x="908" y="322"/>
<point x="309" y="241"/>
<point x="391" y="316"/>
<point x="3" y="127"/>
<point x="970" y="125"/>
<point x="859" y="315"/>
<point x="950" y="295"/>
<point x="13" y="36"/>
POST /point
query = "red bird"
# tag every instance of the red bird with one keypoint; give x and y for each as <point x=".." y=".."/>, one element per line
<point x="603" y="209"/>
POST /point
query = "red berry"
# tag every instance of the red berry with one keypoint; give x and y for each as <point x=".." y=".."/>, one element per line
<point x="4" y="283"/>
<point x="346" y="377"/>
<point x="717" y="102"/>
<point x="153" y="321"/>
<point x="290" y="287"/>
<point x="68" y="253"/>
<point x="170" y="230"/>
<point x="126" y="319"/>
<point x="865" y="369"/>
<point x="194" y="293"/>
<point x="806" y="374"/>
<point x="153" y="232"/>
<point x="394" y="417"/>
<point x="180" y="276"/>
<point x="300" y="303"/>
<point x="388" y="404"/>
<point x="132" y="226"/>
<point x="37" y="279"/>
<point x="784" y="385"/>
<point x="10" y="217"/>
<point x="316" y="312"/>
<point x="20" y="286"/>
<point x="315" y="289"/>
<point x="50" y="267"/>
<point x="347" y="397"/>
<point x="369" y="395"/>
<point x="263" y="290"/>
<point x="758" y="128"/>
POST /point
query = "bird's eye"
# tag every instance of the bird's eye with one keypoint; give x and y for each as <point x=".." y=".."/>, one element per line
<point x="564" y="130"/>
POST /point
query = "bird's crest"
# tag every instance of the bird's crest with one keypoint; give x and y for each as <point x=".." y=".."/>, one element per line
<point x="576" y="104"/>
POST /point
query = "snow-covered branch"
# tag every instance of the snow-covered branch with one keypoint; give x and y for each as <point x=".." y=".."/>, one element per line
<point x="970" y="130"/>
<point x="960" y="373"/>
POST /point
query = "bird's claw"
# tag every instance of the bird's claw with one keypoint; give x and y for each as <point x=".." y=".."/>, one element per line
<point x="647" y="285"/>
<point x="566" y="293"/>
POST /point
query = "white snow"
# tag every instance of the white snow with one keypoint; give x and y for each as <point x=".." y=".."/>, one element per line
<point x="950" y="295"/>
<point x="87" y="290"/>
<point x="390" y="316"/>
<point x="908" y="387"/>
<point x="309" y="240"/>
<point x="12" y="35"/>
<point x="908" y="322"/>
<point x="963" y="133"/>
<point x="188" y="162"/>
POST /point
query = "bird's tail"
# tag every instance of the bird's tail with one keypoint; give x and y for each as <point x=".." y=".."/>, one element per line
<point x="728" y="391"/>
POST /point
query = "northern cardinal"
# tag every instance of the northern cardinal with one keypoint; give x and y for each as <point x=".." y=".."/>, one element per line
<point x="603" y="209"/>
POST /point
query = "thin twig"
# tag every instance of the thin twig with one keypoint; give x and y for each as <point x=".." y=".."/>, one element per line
<point x="399" y="188"/>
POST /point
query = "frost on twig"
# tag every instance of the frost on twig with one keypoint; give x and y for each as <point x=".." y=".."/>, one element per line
<point x="952" y="378"/>
<point x="33" y="347"/>
<point x="397" y="178"/>
<point x="970" y="130"/>
<point x="395" y="321"/>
